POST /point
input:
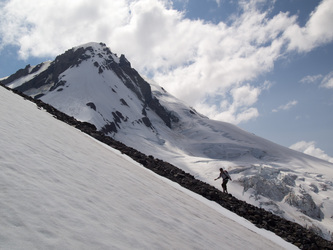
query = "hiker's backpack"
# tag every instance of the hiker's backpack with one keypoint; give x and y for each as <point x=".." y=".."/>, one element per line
<point x="227" y="175"/>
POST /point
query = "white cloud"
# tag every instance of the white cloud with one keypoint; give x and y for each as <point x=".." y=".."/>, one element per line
<point x="317" y="31"/>
<point x="236" y="107"/>
<point x="192" y="59"/>
<point x="287" y="106"/>
<point x="311" y="79"/>
<point x="310" y="149"/>
<point x="42" y="28"/>
<point x="327" y="81"/>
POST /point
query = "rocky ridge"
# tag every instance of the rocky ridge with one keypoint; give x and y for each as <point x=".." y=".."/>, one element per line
<point x="291" y="232"/>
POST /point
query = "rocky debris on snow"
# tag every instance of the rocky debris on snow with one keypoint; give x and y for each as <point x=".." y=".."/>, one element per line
<point x="91" y="105"/>
<point x="290" y="231"/>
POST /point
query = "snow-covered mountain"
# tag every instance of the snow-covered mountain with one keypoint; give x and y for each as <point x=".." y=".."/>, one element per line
<point x="61" y="189"/>
<point x="92" y="84"/>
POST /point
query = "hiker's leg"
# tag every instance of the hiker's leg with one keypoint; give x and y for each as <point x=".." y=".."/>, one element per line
<point x="224" y="187"/>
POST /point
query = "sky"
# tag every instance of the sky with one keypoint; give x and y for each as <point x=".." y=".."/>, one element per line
<point x="265" y="66"/>
<point x="94" y="197"/>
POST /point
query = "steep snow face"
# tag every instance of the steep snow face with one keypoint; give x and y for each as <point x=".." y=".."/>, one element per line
<point x="60" y="189"/>
<point x="92" y="84"/>
<point x="93" y="97"/>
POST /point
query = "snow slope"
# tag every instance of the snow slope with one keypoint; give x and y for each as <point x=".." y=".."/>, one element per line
<point x="61" y="189"/>
<point x="293" y="185"/>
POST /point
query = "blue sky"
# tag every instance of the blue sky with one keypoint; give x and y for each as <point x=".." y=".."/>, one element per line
<point x="265" y="66"/>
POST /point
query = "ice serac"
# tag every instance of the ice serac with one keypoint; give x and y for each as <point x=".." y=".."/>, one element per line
<point x="94" y="85"/>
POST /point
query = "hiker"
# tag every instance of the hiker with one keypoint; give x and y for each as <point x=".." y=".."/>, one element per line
<point x="225" y="176"/>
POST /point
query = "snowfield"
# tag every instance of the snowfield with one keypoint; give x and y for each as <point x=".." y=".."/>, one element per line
<point x="96" y="86"/>
<point x="61" y="189"/>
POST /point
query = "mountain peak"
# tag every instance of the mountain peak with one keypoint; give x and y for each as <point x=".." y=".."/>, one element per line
<point x="91" y="66"/>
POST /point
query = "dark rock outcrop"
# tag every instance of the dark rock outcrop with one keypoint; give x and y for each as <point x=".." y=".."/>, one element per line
<point x="91" y="105"/>
<point x="18" y="74"/>
<point x="50" y="76"/>
<point x="140" y="87"/>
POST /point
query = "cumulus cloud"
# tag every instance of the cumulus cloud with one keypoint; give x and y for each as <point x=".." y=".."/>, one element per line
<point x="210" y="66"/>
<point x="324" y="81"/>
<point x="316" y="32"/>
<point x="287" y="106"/>
<point x="42" y="28"/>
<point x="311" y="149"/>
<point x="238" y="109"/>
